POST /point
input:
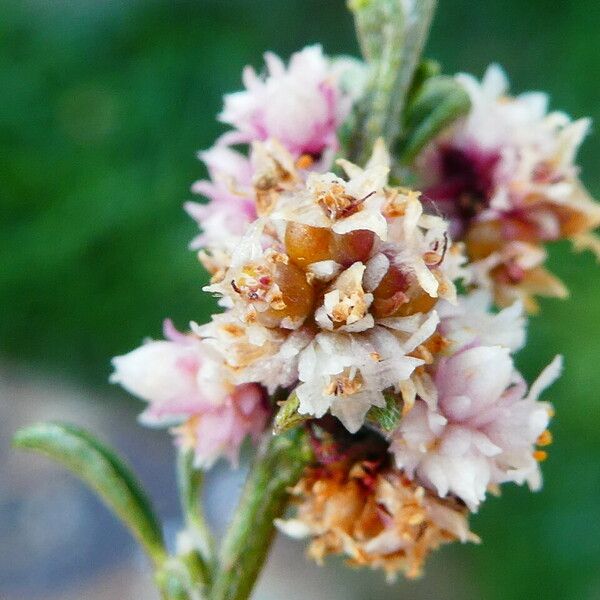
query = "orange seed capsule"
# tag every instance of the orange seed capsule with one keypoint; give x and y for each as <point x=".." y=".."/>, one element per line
<point x="297" y="296"/>
<point x="484" y="238"/>
<point x="305" y="244"/>
<point x="352" y="247"/>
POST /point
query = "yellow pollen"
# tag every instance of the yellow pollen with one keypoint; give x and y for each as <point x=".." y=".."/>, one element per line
<point x="540" y="455"/>
<point x="336" y="203"/>
<point x="431" y="258"/>
<point x="545" y="438"/>
<point x="306" y="161"/>
<point x="344" y="385"/>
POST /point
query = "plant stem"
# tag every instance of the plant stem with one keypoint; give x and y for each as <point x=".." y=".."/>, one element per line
<point x="277" y="466"/>
<point x="189" y="482"/>
<point x="391" y="35"/>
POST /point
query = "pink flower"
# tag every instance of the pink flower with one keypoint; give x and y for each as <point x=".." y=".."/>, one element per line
<point x="219" y="430"/>
<point x="164" y="374"/>
<point x="472" y="322"/>
<point x="231" y="204"/>
<point x="301" y="105"/>
<point x="184" y="385"/>
<point x="483" y="431"/>
<point x="509" y="160"/>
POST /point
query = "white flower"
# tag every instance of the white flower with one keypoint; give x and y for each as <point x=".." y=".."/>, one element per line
<point x="344" y="206"/>
<point x="346" y="306"/>
<point x="472" y="322"/>
<point x="252" y="352"/>
<point x="347" y="373"/>
<point x="484" y="430"/>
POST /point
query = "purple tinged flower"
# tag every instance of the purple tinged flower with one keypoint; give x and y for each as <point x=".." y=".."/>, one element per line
<point x="184" y="386"/>
<point x="219" y="430"/>
<point x="509" y="159"/>
<point x="231" y="207"/>
<point x="300" y="105"/>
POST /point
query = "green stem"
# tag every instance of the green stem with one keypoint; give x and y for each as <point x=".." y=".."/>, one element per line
<point x="391" y="41"/>
<point x="188" y="575"/>
<point x="277" y="466"/>
<point x="189" y="481"/>
<point x="178" y="579"/>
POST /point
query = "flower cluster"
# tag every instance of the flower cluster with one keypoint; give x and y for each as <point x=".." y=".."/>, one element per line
<point x="376" y="516"/>
<point x="505" y="178"/>
<point x="339" y="292"/>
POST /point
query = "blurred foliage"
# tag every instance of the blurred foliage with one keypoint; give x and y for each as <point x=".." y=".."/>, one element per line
<point x="103" y="107"/>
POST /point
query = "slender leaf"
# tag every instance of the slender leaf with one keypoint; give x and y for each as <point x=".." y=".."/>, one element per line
<point x="99" y="467"/>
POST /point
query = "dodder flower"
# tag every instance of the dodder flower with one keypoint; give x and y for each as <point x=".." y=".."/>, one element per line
<point x="339" y="293"/>
<point x="301" y="106"/>
<point x="353" y="266"/>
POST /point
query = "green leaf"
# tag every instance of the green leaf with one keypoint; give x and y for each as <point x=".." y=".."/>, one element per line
<point x="288" y="416"/>
<point x="426" y="69"/>
<point x="439" y="102"/>
<point x="387" y="418"/>
<point x="104" y="472"/>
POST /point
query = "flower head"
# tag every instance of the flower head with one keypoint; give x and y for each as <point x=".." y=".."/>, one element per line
<point x="185" y="386"/>
<point x="352" y="267"/>
<point x="506" y="174"/>
<point x="375" y="516"/>
<point x="300" y="105"/>
<point x="483" y="431"/>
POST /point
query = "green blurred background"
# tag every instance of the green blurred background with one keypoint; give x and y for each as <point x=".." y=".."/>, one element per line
<point x="102" y="108"/>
